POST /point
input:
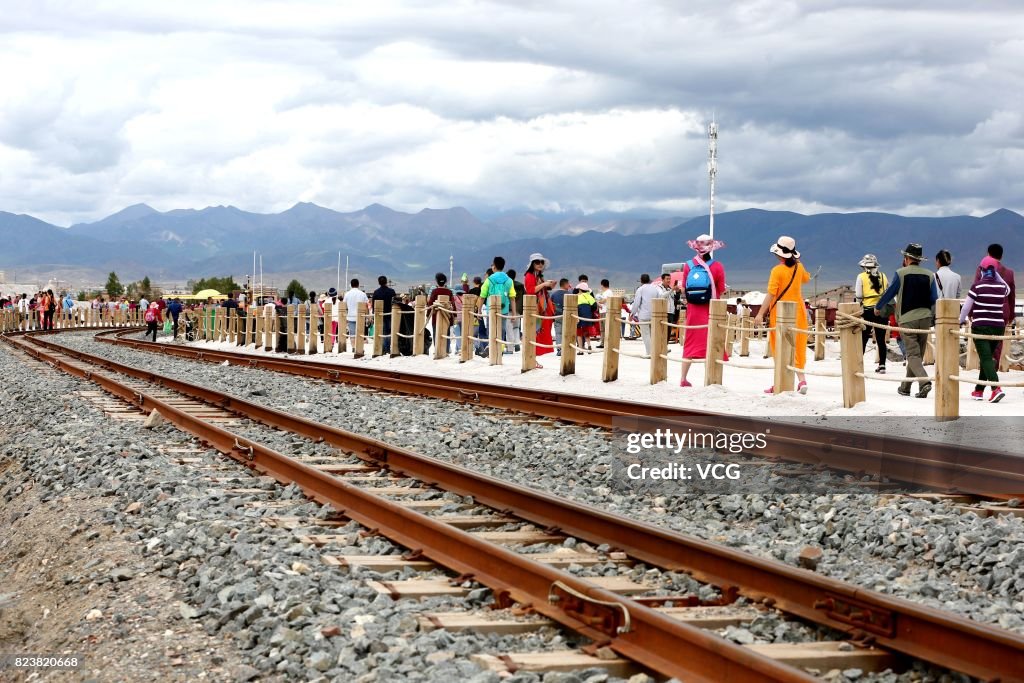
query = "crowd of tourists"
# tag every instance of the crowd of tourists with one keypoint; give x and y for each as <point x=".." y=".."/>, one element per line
<point x="901" y="306"/>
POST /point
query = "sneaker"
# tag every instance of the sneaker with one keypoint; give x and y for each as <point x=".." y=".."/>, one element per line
<point x="802" y="387"/>
<point x="978" y="395"/>
<point x="924" y="391"/>
<point x="880" y="370"/>
<point x="903" y="392"/>
<point x="997" y="395"/>
<point x="770" y="390"/>
<point x="685" y="383"/>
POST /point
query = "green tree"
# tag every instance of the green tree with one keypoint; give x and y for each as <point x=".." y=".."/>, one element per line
<point x="224" y="285"/>
<point x="295" y="288"/>
<point x="146" y="287"/>
<point x="114" y="286"/>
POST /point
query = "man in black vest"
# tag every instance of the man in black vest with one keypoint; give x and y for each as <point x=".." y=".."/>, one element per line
<point x="915" y="292"/>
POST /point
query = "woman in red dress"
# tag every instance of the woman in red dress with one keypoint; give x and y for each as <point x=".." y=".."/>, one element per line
<point x="534" y="283"/>
<point x="695" y="342"/>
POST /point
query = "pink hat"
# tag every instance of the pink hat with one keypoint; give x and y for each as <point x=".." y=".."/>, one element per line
<point x="703" y="244"/>
<point x="989" y="262"/>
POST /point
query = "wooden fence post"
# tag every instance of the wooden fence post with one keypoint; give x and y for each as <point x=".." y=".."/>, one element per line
<point x="494" y="324"/>
<point x="300" y="332"/>
<point x="269" y="330"/>
<point x="1003" y="362"/>
<point x="328" y="319"/>
<point x="343" y="339"/>
<point x="529" y="332"/>
<point x="851" y="356"/>
<point x="468" y="327"/>
<point x="612" y="338"/>
<point x="290" y="327"/>
<point x="360" y="335"/>
<point x="718" y="315"/>
<point x="441" y="328"/>
<point x="785" y="324"/>
<point x="947" y="359"/>
<point x="569" y="313"/>
<point x="250" y="330"/>
<point x="659" y="340"/>
<point x="746" y="324"/>
<point x="396" y="323"/>
<point x="419" y="325"/>
<point x="314" y="328"/>
<point x="378" y="329"/>
<point x="973" y="362"/>
<point x="730" y="334"/>
<point x="819" y="339"/>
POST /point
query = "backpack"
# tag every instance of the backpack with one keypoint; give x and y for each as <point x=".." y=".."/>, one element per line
<point x="502" y="284"/>
<point x="150" y="316"/>
<point x="699" y="286"/>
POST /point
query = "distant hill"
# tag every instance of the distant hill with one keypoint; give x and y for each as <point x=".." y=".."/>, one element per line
<point x="185" y="243"/>
<point x="834" y="241"/>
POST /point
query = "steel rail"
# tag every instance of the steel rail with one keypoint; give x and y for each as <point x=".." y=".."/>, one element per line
<point x="933" y="465"/>
<point x="896" y="624"/>
<point x="662" y="644"/>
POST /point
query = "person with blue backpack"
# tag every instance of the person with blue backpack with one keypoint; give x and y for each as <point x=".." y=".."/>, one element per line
<point x="497" y="283"/>
<point x="703" y="280"/>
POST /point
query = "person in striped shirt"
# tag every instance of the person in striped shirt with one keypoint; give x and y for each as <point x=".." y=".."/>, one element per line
<point x="984" y="307"/>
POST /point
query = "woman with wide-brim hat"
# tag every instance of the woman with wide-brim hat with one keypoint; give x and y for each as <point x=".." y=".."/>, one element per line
<point x="870" y="285"/>
<point x="707" y="282"/>
<point x="534" y="283"/>
<point x="785" y="284"/>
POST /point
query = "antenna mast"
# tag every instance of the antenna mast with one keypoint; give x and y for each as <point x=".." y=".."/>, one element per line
<point x="712" y="171"/>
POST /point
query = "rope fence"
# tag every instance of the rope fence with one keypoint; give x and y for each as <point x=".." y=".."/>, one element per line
<point x="304" y="331"/>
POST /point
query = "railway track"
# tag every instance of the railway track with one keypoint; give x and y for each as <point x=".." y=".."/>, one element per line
<point x="941" y="467"/>
<point x="639" y="629"/>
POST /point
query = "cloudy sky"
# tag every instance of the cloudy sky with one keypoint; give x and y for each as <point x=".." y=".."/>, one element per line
<point x="911" y="106"/>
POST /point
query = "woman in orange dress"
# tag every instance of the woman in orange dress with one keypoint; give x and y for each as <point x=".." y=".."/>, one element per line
<point x="785" y="284"/>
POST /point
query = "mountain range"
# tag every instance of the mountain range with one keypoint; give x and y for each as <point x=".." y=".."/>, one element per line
<point x="184" y="243"/>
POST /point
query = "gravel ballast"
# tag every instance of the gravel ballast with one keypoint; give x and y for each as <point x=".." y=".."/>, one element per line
<point x="921" y="550"/>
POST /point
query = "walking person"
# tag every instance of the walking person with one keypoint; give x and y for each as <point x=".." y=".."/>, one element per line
<point x="642" y="308"/>
<point x="174" y="311"/>
<point x="49" y="306"/>
<point x="558" y="304"/>
<point x="785" y="283"/>
<point x="867" y="291"/>
<point x="1009" y="307"/>
<point x="586" y="307"/>
<point x="703" y="280"/>
<point x="669" y="296"/>
<point x="948" y="282"/>
<point x="441" y="290"/>
<point x="153" y="318"/>
<point x="514" y="328"/>
<point x="984" y="307"/>
<point x="353" y="297"/>
<point x="385" y="294"/>
<point x="500" y="284"/>
<point x="534" y="283"/>
<point x="331" y="326"/>
<point x="915" y="292"/>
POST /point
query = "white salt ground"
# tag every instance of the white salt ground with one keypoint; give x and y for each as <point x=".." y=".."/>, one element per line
<point x="742" y="391"/>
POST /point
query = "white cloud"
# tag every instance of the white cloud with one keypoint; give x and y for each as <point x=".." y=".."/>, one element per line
<point x="596" y="105"/>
